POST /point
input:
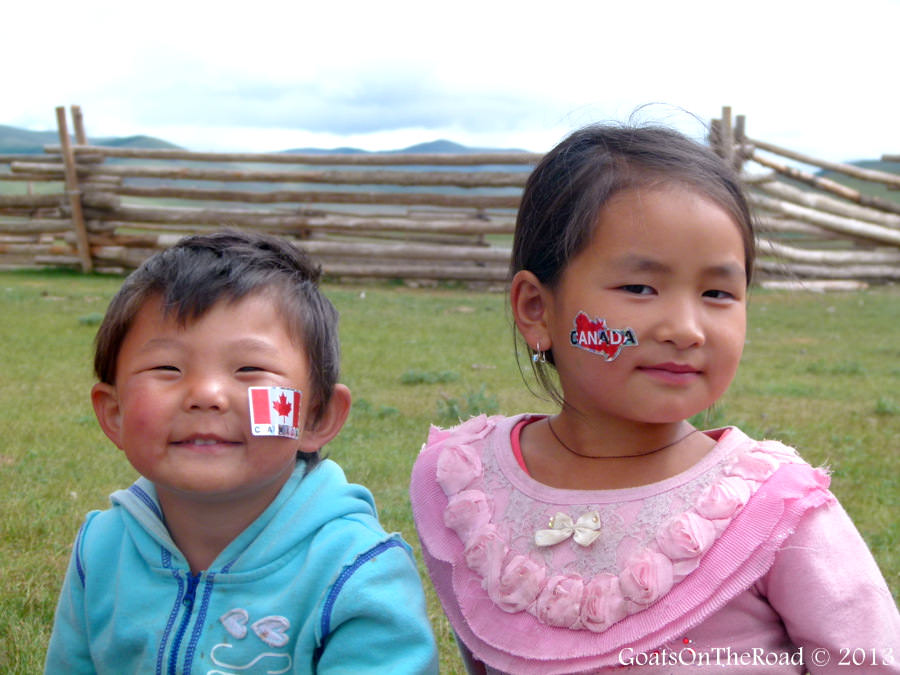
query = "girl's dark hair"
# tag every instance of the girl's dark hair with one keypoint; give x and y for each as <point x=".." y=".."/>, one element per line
<point x="199" y="271"/>
<point x="572" y="183"/>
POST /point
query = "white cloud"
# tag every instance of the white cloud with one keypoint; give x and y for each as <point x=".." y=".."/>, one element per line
<point x="814" y="76"/>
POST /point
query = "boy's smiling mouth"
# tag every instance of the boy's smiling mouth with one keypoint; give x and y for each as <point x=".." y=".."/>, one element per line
<point x="204" y="441"/>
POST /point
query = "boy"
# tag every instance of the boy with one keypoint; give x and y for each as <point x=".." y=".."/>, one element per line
<point x="238" y="549"/>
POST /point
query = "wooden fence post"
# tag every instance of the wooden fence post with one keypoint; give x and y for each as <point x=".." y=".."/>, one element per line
<point x="78" y="125"/>
<point x="726" y="136"/>
<point x="74" y="194"/>
<point x="740" y="123"/>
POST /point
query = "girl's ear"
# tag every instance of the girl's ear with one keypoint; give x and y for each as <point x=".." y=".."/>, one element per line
<point x="530" y="301"/>
<point x="313" y="438"/>
<point x="108" y="411"/>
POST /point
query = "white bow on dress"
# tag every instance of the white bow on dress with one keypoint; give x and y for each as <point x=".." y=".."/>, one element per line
<point x="584" y="531"/>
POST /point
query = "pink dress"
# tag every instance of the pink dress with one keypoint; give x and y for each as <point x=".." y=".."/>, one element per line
<point x="744" y="561"/>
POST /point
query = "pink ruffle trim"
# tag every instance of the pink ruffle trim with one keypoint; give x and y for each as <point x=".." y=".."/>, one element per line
<point x="512" y="613"/>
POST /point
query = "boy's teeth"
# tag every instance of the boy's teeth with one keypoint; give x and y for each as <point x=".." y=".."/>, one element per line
<point x="204" y="441"/>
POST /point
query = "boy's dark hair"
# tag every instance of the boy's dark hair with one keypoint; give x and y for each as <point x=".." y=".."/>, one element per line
<point x="572" y="183"/>
<point x="201" y="270"/>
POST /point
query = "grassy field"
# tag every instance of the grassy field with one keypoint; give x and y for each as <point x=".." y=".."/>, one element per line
<point x="821" y="372"/>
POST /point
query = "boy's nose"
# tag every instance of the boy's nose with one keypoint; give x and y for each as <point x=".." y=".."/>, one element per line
<point x="206" y="393"/>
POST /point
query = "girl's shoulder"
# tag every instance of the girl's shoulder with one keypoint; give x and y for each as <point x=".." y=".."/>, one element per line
<point x="586" y="568"/>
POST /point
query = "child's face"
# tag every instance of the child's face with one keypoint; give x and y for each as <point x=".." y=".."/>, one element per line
<point x="179" y="408"/>
<point x="667" y="263"/>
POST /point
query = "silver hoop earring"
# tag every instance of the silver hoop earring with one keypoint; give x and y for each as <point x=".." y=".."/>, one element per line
<point x="538" y="356"/>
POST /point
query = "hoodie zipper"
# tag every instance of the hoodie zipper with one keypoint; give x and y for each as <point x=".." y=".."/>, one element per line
<point x="188" y="603"/>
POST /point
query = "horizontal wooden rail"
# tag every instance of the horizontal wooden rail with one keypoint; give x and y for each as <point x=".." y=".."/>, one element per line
<point x="98" y="209"/>
<point x="311" y="197"/>
<point x="827" y="185"/>
<point x="869" y="272"/>
<point x="465" y="179"/>
<point x="827" y="221"/>
<point x="890" y="179"/>
<point x="769" y="247"/>
<point x="31" y="201"/>
<point x="362" y="159"/>
<point x="815" y="200"/>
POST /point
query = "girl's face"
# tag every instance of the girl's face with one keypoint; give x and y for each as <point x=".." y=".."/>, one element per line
<point x="667" y="263"/>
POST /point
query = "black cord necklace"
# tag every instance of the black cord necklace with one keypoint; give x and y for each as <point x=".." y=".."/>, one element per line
<point x="640" y="454"/>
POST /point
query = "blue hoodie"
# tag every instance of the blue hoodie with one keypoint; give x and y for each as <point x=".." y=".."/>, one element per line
<point x="314" y="585"/>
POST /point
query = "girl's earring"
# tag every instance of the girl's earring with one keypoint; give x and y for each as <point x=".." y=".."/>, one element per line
<point x="538" y="356"/>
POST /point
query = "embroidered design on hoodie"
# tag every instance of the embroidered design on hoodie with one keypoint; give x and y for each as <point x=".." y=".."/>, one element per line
<point x="271" y="630"/>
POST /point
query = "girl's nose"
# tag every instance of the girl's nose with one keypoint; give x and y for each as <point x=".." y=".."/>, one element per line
<point x="682" y="325"/>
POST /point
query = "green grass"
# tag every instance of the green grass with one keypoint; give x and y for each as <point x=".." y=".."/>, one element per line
<point x="821" y="372"/>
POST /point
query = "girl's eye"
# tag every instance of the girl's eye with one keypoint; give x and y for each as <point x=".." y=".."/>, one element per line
<point x="637" y="289"/>
<point x="172" y="369"/>
<point x="718" y="295"/>
<point x="250" y="369"/>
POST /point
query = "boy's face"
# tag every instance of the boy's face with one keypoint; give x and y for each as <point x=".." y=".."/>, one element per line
<point x="179" y="408"/>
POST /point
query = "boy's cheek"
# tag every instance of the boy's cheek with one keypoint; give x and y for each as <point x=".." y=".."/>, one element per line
<point x="141" y="418"/>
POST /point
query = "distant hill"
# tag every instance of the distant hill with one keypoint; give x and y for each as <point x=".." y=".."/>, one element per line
<point x="447" y="147"/>
<point x="874" y="164"/>
<point x="135" y="142"/>
<point x="14" y="141"/>
<point x="865" y="187"/>
<point x="21" y="141"/>
<point x="437" y="147"/>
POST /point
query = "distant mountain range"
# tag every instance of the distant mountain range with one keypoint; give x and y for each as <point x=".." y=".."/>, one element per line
<point x="21" y="141"/>
<point x="15" y="141"/>
<point x="429" y="148"/>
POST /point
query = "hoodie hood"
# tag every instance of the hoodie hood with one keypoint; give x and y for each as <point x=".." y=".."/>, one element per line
<point x="307" y="503"/>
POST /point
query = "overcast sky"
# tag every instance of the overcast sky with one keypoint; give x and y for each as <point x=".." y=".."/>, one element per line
<point x="818" y="76"/>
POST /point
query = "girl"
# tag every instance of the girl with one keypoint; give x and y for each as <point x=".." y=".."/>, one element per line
<point x="614" y="533"/>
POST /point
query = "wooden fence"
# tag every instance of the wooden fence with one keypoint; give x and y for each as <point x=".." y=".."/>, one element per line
<point x="388" y="215"/>
<point x="814" y="232"/>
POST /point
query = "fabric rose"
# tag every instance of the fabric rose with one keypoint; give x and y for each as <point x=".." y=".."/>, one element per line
<point x="754" y="465"/>
<point x="687" y="535"/>
<point x="822" y="478"/>
<point x="519" y="584"/>
<point x="782" y="452"/>
<point x="723" y="498"/>
<point x="466" y="512"/>
<point x="457" y="467"/>
<point x="647" y="576"/>
<point x="559" y="604"/>
<point x="602" y="603"/>
<point x="473" y="429"/>
<point x="484" y="553"/>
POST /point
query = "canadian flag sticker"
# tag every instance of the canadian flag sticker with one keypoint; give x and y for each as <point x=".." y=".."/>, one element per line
<point x="595" y="336"/>
<point x="274" y="411"/>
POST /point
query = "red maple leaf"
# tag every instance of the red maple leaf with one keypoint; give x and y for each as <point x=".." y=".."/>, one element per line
<point x="583" y="324"/>
<point x="282" y="406"/>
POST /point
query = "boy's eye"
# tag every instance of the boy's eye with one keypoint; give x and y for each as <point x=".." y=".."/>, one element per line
<point x="167" y="368"/>
<point x="637" y="289"/>
<point x="249" y="369"/>
<point x="718" y="295"/>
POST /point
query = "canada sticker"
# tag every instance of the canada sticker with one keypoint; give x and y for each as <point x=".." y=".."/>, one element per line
<point x="594" y="336"/>
<point x="274" y="411"/>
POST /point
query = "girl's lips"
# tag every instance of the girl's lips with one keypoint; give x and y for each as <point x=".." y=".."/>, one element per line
<point x="672" y="373"/>
<point x="673" y="368"/>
